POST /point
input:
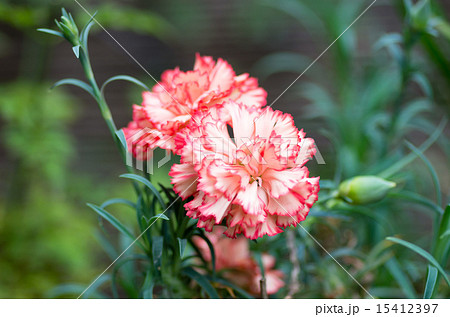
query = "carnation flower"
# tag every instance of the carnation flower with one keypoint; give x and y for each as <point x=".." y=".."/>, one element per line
<point x="169" y="107"/>
<point x="234" y="260"/>
<point x="254" y="182"/>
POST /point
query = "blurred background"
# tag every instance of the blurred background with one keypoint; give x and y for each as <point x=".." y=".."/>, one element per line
<point x="387" y="78"/>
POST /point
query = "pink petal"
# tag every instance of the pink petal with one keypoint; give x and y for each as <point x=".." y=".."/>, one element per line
<point x="184" y="179"/>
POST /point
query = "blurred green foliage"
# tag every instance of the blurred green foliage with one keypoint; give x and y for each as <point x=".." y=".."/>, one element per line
<point x="46" y="230"/>
<point x="35" y="130"/>
<point x="368" y="111"/>
<point x="43" y="238"/>
<point x="26" y="15"/>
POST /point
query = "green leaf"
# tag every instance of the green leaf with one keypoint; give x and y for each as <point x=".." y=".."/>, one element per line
<point x="388" y="39"/>
<point x="433" y="173"/>
<point x="341" y="252"/>
<point x="424" y="83"/>
<point x="445" y="234"/>
<point x="126" y="78"/>
<point x="211" y="250"/>
<point x="431" y="282"/>
<point x="114" y="222"/>
<point x="182" y="245"/>
<point x="64" y="13"/>
<point x="402" y="279"/>
<point x="392" y="42"/>
<point x="159" y="216"/>
<point x="118" y="266"/>
<point x="76" y="50"/>
<point x="422" y="253"/>
<point x="85" y="32"/>
<point x="443" y="27"/>
<point x="75" y="82"/>
<point x="93" y="288"/>
<point x="121" y="135"/>
<point x="147" y="287"/>
<point x="416" y="198"/>
<point x="232" y="286"/>
<point x="147" y="183"/>
<point x="412" y="156"/>
<point x="118" y="201"/>
<point x="106" y="245"/>
<point x="412" y="110"/>
<point x="442" y="245"/>
<point x="74" y="290"/>
<point x="202" y="281"/>
<point x="53" y="32"/>
<point x="157" y="249"/>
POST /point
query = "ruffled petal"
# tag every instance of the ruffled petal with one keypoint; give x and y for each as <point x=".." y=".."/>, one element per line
<point x="184" y="179"/>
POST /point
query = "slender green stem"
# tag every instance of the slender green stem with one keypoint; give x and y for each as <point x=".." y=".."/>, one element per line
<point x="106" y="113"/>
<point x="104" y="109"/>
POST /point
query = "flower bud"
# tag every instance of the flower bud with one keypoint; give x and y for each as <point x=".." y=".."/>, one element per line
<point x="364" y="189"/>
<point x="68" y="28"/>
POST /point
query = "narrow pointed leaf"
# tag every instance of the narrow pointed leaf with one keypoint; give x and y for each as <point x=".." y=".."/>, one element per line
<point x="182" y="245"/>
<point x="118" y="201"/>
<point x="85" y="32"/>
<point x="202" y="281"/>
<point x="431" y="282"/>
<point x="125" y="78"/>
<point x="422" y="253"/>
<point x="445" y="234"/>
<point x="76" y="50"/>
<point x="106" y="245"/>
<point x="147" y="183"/>
<point x="75" y="82"/>
<point x="52" y="32"/>
<point x="211" y="250"/>
<point x="118" y="265"/>
<point x="64" y="12"/>
<point x="159" y="216"/>
<point x="402" y="279"/>
<point x="432" y="171"/>
<point x="442" y="247"/>
<point x="412" y="156"/>
<point x="232" y="286"/>
<point x="157" y="249"/>
<point x="121" y="135"/>
<point x="113" y="221"/>
<point x="147" y="287"/>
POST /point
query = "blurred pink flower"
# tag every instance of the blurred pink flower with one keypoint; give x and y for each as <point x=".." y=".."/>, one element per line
<point x="256" y="182"/>
<point x="233" y="257"/>
<point x="168" y="108"/>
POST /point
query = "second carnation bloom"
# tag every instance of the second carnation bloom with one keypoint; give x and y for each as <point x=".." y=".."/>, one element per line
<point x="241" y="166"/>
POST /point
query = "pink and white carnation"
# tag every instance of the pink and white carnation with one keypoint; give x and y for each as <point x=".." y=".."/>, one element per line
<point x="169" y="107"/>
<point x="254" y="181"/>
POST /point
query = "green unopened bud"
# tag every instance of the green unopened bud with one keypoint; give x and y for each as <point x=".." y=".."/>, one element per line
<point x="68" y="28"/>
<point x="364" y="189"/>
